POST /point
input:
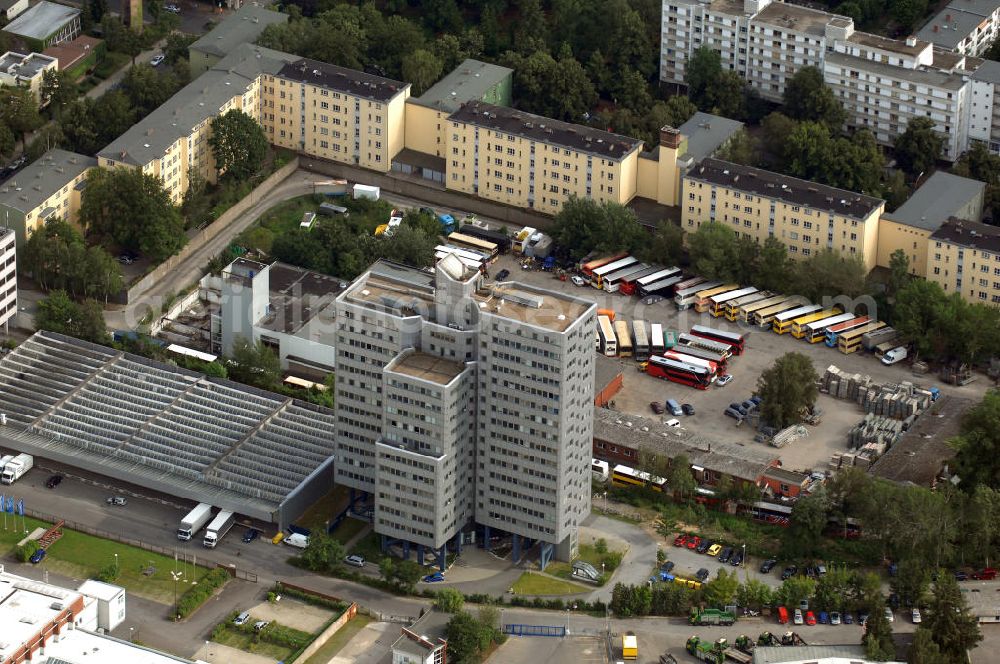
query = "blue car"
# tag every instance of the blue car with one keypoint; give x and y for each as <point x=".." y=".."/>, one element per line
<point x="250" y="535"/>
<point x="436" y="577"/>
<point x="848" y="618"/>
<point x="824" y="618"/>
<point x="38" y="556"/>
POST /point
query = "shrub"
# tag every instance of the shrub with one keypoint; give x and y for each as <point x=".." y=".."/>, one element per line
<point x="109" y="573"/>
<point x="308" y="598"/>
<point x="26" y="550"/>
<point x="198" y="594"/>
<point x="449" y="600"/>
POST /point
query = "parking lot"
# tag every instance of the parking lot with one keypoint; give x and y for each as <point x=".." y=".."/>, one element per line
<point x="762" y="349"/>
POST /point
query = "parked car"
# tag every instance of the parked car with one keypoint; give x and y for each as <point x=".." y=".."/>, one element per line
<point x="889" y="615"/>
<point x="38" y="556"/>
<point x="960" y="575"/>
<point x="738" y="408"/>
<point x="242" y="618"/>
<point x="656" y="407"/>
<point x="673" y="423"/>
<point x="693" y="542"/>
<point x="703" y="546"/>
<point x="681" y="540"/>
<point x="767" y="565"/>
<point x="260" y="624"/>
<point x="701" y="574"/>
<point x="54" y="481"/>
<point x="824" y="618"/>
<point x="735" y="414"/>
<point x="687" y="408"/>
<point x="714" y="550"/>
<point x="250" y="535"/>
<point x="789" y="572"/>
<point x="502" y="274"/>
<point x="173" y="9"/>
<point x="119" y="501"/>
<point x="724" y="380"/>
<point x="834" y="618"/>
<point x="848" y="618"/>
<point x="667" y="566"/>
<point x="436" y="577"/>
<point x="355" y="560"/>
<point x="156" y="60"/>
<point x="797" y="617"/>
<point x="726" y="554"/>
<point x="987" y="574"/>
<point x="578" y="280"/>
<point x="737" y="558"/>
<point x="810" y="618"/>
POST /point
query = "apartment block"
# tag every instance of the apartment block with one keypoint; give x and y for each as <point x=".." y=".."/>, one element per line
<point x="965" y="26"/>
<point x="806" y="217"/>
<point x="462" y="402"/>
<point x="241" y="27"/>
<point x="984" y="106"/>
<point x="8" y="276"/>
<point x="335" y="113"/>
<point x="48" y="188"/>
<point x="534" y="162"/>
<point x="20" y="70"/>
<point x="964" y="257"/>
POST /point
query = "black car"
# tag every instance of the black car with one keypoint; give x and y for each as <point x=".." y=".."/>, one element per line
<point x="767" y="566"/>
<point x="502" y="274"/>
<point x="726" y="554"/>
<point x="737" y="558"/>
<point x="54" y="481"/>
<point x="701" y="574"/>
<point x="667" y="566"/>
<point x="961" y="576"/>
<point x="703" y="547"/>
<point x="687" y="408"/>
<point x="250" y="535"/>
<point x="789" y="572"/>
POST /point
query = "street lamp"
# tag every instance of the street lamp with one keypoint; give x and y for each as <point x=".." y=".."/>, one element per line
<point x="605" y="502"/>
<point x="743" y="562"/>
<point x="130" y="630"/>
<point x="176" y="577"/>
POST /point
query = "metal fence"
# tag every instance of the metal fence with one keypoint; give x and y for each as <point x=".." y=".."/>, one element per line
<point x="534" y="630"/>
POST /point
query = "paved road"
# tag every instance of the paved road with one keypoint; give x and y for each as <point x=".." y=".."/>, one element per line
<point x="638" y="561"/>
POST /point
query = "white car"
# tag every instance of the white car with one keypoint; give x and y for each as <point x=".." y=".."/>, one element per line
<point x="173" y="9"/>
<point x="724" y="380"/>
<point x="915" y="616"/>
<point x="797" y="618"/>
<point x="673" y="423"/>
<point x="242" y="618"/>
<point x="157" y="59"/>
<point x="355" y="561"/>
<point x="578" y="280"/>
<point x="888" y="615"/>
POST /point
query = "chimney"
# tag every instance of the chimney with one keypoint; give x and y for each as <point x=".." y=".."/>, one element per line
<point x="935" y="28"/>
<point x="670" y="137"/>
<point x="911" y="41"/>
<point x="947" y="18"/>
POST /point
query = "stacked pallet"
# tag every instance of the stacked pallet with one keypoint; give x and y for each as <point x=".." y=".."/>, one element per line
<point x="789" y="434"/>
<point x="902" y="401"/>
<point x="875" y="432"/>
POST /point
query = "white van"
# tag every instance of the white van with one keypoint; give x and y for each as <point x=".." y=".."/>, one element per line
<point x="895" y="355"/>
<point x="298" y="540"/>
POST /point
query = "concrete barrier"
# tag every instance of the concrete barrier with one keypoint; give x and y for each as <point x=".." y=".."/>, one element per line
<point x="325" y="635"/>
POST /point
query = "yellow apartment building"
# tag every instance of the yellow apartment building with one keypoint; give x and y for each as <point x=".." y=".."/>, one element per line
<point x="806" y="217"/>
<point x="910" y="226"/>
<point x="335" y="113"/>
<point x="533" y="162"/>
<point x="48" y="188"/>
<point x="964" y="257"/>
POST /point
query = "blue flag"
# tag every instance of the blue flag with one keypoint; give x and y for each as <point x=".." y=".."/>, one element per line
<point x="10" y="505"/>
<point x="3" y="503"/>
<point x="20" y="506"/>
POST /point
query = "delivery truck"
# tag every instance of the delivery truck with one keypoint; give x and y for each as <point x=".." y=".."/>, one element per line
<point x="194" y="521"/>
<point x="220" y="525"/>
<point x="16" y="467"/>
<point x="366" y="191"/>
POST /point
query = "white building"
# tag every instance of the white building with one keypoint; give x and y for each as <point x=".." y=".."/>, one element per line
<point x="109" y="605"/>
<point x="8" y="276"/>
<point x="411" y="648"/>
<point x="984" y="106"/>
<point x="882" y="83"/>
<point x="964" y="26"/>
<point x="833" y="654"/>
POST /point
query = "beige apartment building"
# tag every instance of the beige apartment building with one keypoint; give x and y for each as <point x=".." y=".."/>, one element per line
<point x="964" y="257"/>
<point x="534" y="162"/>
<point x="806" y="217"/>
<point x="26" y="70"/>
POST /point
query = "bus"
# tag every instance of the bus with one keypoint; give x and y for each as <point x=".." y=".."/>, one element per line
<point x="703" y="302"/>
<point x="613" y="281"/>
<point x="832" y="332"/>
<point x="469" y="242"/>
<point x="656" y="346"/>
<point x="662" y="287"/>
<point x="630" y="284"/>
<point x="684" y="298"/>
<point x="600" y="470"/>
<point x="470" y="258"/>
<point x="764" y="317"/>
<point x="629" y="477"/>
<point x="682" y="354"/>
<point x="640" y="342"/>
<point x="690" y="283"/>
<point x="499" y="238"/>
<point x="608" y="340"/>
<point x="719" y="347"/>
<point x="733" y="306"/>
<point x="798" y="326"/>
<point x="624" y="339"/>
<point x="734" y="339"/>
<point x="717" y="303"/>
<point x="679" y="372"/>
<point x="816" y="331"/>
<point x="785" y="319"/>
<point x="850" y="341"/>
<point x="597" y="278"/>
<point x="719" y="358"/>
<point x="746" y="312"/>
<point x="645" y="281"/>
<point x="587" y="269"/>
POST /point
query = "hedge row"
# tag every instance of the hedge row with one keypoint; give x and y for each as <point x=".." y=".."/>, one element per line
<point x="308" y="598"/>
<point x="200" y="592"/>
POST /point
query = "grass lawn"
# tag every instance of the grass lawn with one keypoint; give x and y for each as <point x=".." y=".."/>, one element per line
<point x="347" y="529"/>
<point x="537" y="584"/>
<point x="588" y="553"/>
<point x="369" y="548"/>
<point x="324" y="509"/>
<point x="83" y="556"/>
<point x="241" y="641"/>
<point x="112" y="62"/>
<point x="336" y="642"/>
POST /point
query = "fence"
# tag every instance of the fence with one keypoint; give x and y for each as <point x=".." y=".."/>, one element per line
<point x="534" y="630"/>
<point x="325" y="635"/>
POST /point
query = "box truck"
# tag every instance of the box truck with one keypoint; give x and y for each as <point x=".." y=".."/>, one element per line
<point x="220" y="525"/>
<point x="366" y="191"/>
<point x="16" y="467"/>
<point x="194" y="520"/>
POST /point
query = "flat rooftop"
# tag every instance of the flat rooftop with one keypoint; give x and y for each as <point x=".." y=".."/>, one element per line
<point x="795" y="17"/>
<point x="156" y="425"/>
<point x="533" y="306"/>
<point x="33" y="185"/>
<point x="924" y="75"/>
<point x="243" y="26"/>
<point x="468" y="82"/>
<point x="818" y="654"/>
<point x="427" y="367"/>
<point x="28" y="66"/>
<point x="919" y="455"/>
<point x="788" y="476"/>
<point x="887" y="44"/>
<point x="546" y="130"/>
<point x="41" y="20"/>
<point x="949" y="27"/>
<point x="342" y="79"/>
<point x="645" y="434"/>
<point x="71" y="52"/>
<point x="25" y="607"/>
<point x="705" y="133"/>
<point x="393" y="287"/>
<point x="988" y="71"/>
<point x="941" y="196"/>
<point x="298" y="297"/>
<point x="969" y="234"/>
<point x="784" y="188"/>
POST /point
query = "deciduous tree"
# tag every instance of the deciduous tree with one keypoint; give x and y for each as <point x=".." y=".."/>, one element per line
<point x="254" y="364"/>
<point x="721" y="591"/>
<point x="58" y="313"/>
<point x="918" y="147"/>
<point x="808" y="97"/>
<point x="238" y="144"/>
<point x="422" y="69"/>
<point x="680" y="480"/>
<point x="787" y="390"/>
<point x="977" y="462"/>
<point x="584" y="225"/>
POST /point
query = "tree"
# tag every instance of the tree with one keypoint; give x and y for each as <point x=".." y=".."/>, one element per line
<point x="775" y="270"/>
<point x="787" y="390"/>
<point x="702" y="75"/>
<point x="977" y="461"/>
<point x="448" y="600"/>
<point x="323" y="553"/>
<point x="777" y="127"/>
<point x="666" y="245"/>
<point x="584" y="225"/>
<point x="742" y="148"/>
<point x="913" y="578"/>
<point x="674" y="112"/>
<point x="918" y="147"/>
<point x="877" y="638"/>
<point x="807" y="97"/>
<point x="794" y="590"/>
<point x="721" y="591"/>
<point x="827" y="273"/>
<point x="907" y="12"/>
<point x="254" y="364"/>
<point x="238" y="145"/>
<point x="899" y="273"/>
<point x="979" y="163"/>
<point x="712" y="249"/>
<point x="19" y="111"/>
<point x="57" y="90"/>
<point x="805" y="530"/>
<point x="120" y="38"/>
<point x="680" y="480"/>
<point x="916" y="314"/>
<point x="57" y="258"/>
<point x="952" y="627"/>
<point x="58" y="313"/>
<point x="468" y="639"/>
<point x="176" y="48"/>
<point x="982" y="522"/>
<point x="7" y="140"/>
<point x="923" y="650"/>
<point x="422" y="69"/>
<point x="754" y="594"/>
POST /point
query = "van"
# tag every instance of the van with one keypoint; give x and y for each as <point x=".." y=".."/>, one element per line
<point x="298" y="540"/>
<point x="897" y="354"/>
<point x="674" y="407"/>
<point x="331" y="210"/>
<point x="782" y="615"/>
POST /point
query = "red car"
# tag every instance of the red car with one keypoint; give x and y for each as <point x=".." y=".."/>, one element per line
<point x="681" y="540"/>
<point x="810" y="618"/>
<point x="693" y="542"/>
<point x="987" y="574"/>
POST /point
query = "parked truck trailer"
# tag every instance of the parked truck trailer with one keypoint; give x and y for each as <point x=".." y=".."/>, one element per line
<point x="16" y="467"/>
<point x="216" y="530"/>
<point x="194" y="521"/>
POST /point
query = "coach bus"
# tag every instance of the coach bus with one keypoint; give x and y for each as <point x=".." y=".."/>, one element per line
<point x="600" y="470"/>
<point x="733" y="306"/>
<point x="640" y="342"/>
<point x="629" y="285"/>
<point x="720" y="359"/>
<point x="684" y="298"/>
<point x="832" y="332"/>
<point x="597" y="280"/>
<point x="719" y="347"/>
<point x="747" y="311"/>
<point x="587" y="269"/>
<point x="654" y="281"/>
<point x="798" y="326"/>
<point x="614" y="280"/>
<point x="717" y="303"/>
<point x="781" y="322"/>
<point x="816" y="331"/>
<point x="624" y="339"/>
<point x="663" y="287"/>
<point x="464" y="241"/>
<point x="765" y="317"/>
<point x="734" y="339"/>
<point x="680" y="355"/>
<point x="656" y="345"/>
<point x="608" y="340"/>
<point x="679" y="372"/>
<point x="624" y="476"/>
<point x="704" y="300"/>
<point x="849" y="342"/>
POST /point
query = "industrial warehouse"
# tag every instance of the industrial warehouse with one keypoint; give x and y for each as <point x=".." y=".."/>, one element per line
<point x="158" y="426"/>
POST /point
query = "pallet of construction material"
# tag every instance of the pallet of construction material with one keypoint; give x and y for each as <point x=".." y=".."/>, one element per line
<point x="788" y="434"/>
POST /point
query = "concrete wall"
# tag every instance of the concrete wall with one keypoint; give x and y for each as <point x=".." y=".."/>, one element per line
<point x="212" y="230"/>
<point x="893" y="235"/>
<point x="325" y="635"/>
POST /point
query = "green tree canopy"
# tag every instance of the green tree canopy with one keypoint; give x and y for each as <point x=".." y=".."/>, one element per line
<point x="787" y="389"/>
<point x="805" y="530"/>
<point x="238" y="144"/>
<point x="585" y="225"/>
<point x="918" y="147"/>
<point x="422" y="69"/>
<point x="923" y="650"/>
<point x="828" y="273"/>
<point x="58" y="313"/>
<point x="977" y="462"/>
<point x="952" y="627"/>
<point x="323" y="553"/>
<point x="680" y="480"/>
<point x="712" y="249"/>
<point x="468" y="638"/>
<point x="877" y="638"/>
<point x="254" y="364"/>
<point x="721" y="590"/>
<point x="808" y="97"/>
